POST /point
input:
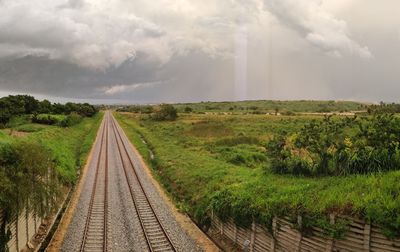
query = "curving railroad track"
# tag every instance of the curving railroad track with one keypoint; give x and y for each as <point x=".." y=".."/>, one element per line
<point x="95" y="236"/>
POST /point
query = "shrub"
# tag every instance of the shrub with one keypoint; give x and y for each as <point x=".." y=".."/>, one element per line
<point x="339" y="147"/>
<point x="46" y="119"/>
<point x="165" y="112"/>
<point x="188" y="109"/>
<point x="70" y="120"/>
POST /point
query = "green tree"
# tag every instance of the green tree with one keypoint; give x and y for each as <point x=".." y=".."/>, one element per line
<point x="165" y="112"/>
<point x="45" y="107"/>
<point x="5" y="111"/>
<point x="28" y="180"/>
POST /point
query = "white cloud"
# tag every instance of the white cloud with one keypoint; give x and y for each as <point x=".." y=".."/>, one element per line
<point x="85" y="34"/>
<point x="98" y="34"/>
<point x="121" y="88"/>
<point x="318" y="26"/>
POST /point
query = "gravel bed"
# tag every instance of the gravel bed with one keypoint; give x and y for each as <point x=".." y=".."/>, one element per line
<point x="181" y="240"/>
<point x="124" y="232"/>
<point x="73" y="237"/>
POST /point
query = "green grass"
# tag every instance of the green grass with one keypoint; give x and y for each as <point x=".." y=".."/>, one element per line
<point x="56" y="116"/>
<point x="225" y="173"/>
<point x="69" y="146"/>
<point x="30" y="127"/>
<point x="18" y="120"/>
<point x="4" y="137"/>
<point x="268" y="106"/>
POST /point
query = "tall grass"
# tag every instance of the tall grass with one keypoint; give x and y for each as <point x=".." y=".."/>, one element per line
<point x="195" y="171"/>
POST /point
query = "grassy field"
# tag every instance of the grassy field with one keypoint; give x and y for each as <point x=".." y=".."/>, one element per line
<point x="218" y="163"/>
<point x="273" y="106"/>
<point x="69" y="146"/>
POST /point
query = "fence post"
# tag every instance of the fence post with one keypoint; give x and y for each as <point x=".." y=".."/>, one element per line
<point x="27" y="225"/>
<point x="367" y="237"/>
<point x="16" y="232"/>
<point x="235" y="232"/>
<point x="329" y="241"/>
<point x="253" y="236"/>
<point x="300" y="224"/>
<point x="274" y="220"/>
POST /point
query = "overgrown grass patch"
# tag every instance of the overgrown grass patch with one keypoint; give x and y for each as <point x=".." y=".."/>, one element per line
<point x="18" y="120"/>
<point x="70" y="145"/>
<point x="209" y="129"/>
<point x="30" y="127"/>
<point x="200" y="176"/>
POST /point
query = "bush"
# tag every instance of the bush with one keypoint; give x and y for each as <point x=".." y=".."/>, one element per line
<point x="46" y="119"/>
<point x="71" y="120"/>
<point x="188" y="110"/>
<point x="339" y="147"/>
<point x="165" y="112"/>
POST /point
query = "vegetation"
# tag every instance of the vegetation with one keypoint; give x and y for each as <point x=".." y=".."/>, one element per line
<point x="34" y="166"/>
<point x="339" y="147"/>
<point x="14" y="106"/>
<point x="272" y="107"/>
<point x="142" y="109"/>
<point x="164" y="112"/>
<point x="27" y="180"/>
<point x="48" y="119"/>
<point x="255" y="107"/>
<point x="384" y="108"/>
<point x="222" y="164"/>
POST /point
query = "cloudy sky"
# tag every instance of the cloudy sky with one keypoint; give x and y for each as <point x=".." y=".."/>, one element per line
<point x="141" y="51"/>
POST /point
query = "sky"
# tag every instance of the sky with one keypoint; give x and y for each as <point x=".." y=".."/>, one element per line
<point x="140" y="51"/>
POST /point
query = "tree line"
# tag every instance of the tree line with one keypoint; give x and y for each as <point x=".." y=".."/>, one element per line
<point x="15" y="105"/>
<point x="163" y="112"/>
<point x="384" y="108"/>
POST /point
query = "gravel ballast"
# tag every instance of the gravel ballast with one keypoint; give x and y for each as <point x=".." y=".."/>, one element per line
<point x="124" y="230"/>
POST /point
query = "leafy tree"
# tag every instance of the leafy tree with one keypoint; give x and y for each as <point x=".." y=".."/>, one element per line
<point x="45" y="107"/>
<point x="31" y="105"/>
<point x="28" y="181"/>
<point x="58" y="108"/>
<point x="5" y="113"/>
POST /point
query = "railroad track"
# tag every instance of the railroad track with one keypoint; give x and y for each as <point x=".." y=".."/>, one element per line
<point x="96" y="226"/>
<point x="157" y="238"/>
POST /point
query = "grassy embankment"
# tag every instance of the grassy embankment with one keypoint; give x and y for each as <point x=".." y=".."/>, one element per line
<point x="218" y="163"/>
<point x="69" y="146"/>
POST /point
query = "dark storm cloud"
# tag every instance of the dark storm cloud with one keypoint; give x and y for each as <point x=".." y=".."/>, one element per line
<point x="154" y="51"/>
<point x="135" y="80"/>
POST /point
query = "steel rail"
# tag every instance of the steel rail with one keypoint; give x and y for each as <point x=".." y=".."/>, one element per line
<point x="150" y="238"/>
<point x="94" y="191"/>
